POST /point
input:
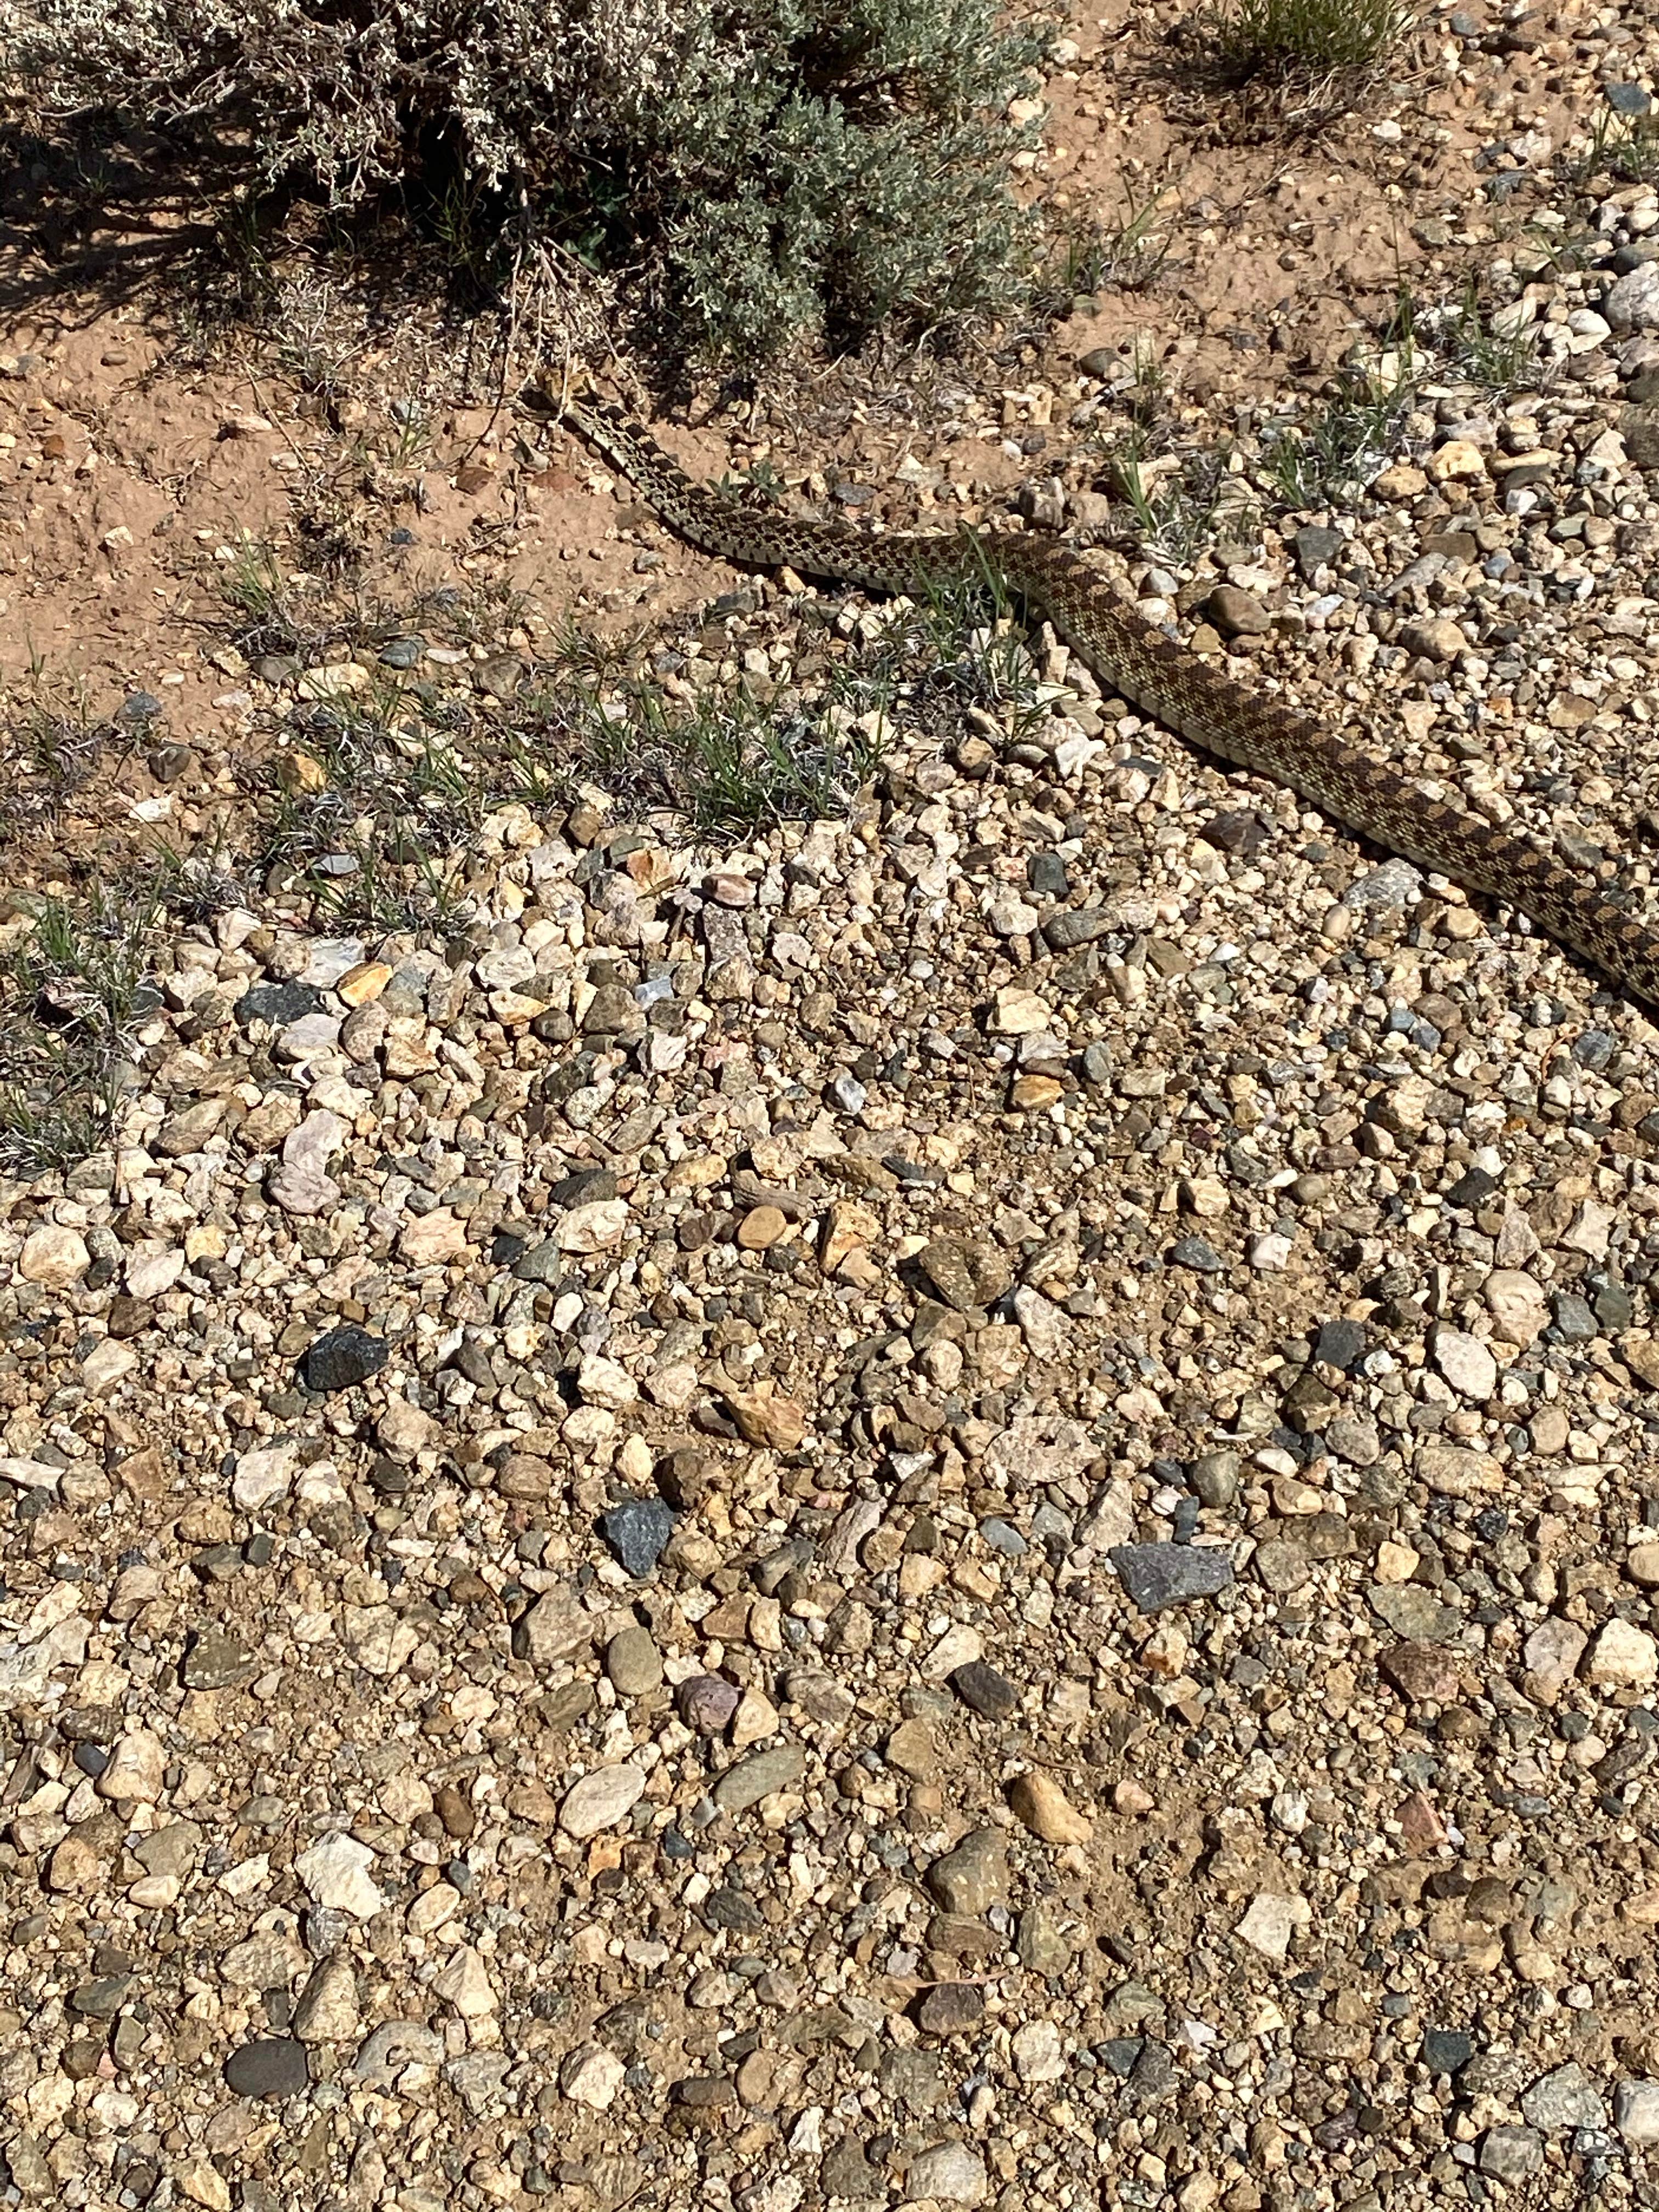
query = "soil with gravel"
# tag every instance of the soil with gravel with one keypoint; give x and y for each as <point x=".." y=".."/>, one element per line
<point x="947" y="1504"/>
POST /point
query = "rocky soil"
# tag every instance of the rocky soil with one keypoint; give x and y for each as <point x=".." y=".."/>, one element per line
<point x="942" y="1501"/>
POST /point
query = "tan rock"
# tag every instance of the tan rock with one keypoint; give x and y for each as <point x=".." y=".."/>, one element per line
<point x="848" y="1227"/>
<point x="761" y="1228"/>
<point x="55" y="1258"/>
<point x="361" y="986"/>
<point x="1622" y="1657"/>
<point x="1042" y="1804"/>
<point x="778" y="1423"/>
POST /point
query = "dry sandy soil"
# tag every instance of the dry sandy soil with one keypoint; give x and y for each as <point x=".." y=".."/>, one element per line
<point x="939" y="1504"/>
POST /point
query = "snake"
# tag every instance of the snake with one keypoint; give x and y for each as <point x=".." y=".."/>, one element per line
<point x="1128" y="655"/>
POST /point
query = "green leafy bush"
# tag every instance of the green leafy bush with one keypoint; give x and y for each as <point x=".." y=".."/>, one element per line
<point x="763" y="169"/>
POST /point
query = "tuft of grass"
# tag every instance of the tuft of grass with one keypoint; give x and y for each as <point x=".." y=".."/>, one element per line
<point x="1625" y="148"/>
<point x="49" y="750"/>
<point x="72" y="990"/>
<point x="1132" y="253"/>
<point x="1332" y="455"/>
<point x="1309" y="38"/>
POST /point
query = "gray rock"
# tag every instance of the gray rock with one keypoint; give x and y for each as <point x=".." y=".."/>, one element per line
<point x="1512" y="2154"/>
<point x="980" y="1687"/>
<point x="1636" y="2111"/>
<point x="949" y="2173"/>
<point x="974" y="1877"/>
<point x="340" y="1357"/>
<point x="707" y="1703"/>
<point x="638" y="1531"/>
<point x="276" y="2066"/>
<point x="1198" y="1253"/>
<point x="1157" y="1574"/>
<point x="1632" y="302"/>
<point x="967" y="1271"/>
<point x="760" y="1775"/>
<point x="1566" y="2098"/>
<point x="1414" y="1613"/>
<point x="395" y="2044"/>
<point x="216" y="1661"/>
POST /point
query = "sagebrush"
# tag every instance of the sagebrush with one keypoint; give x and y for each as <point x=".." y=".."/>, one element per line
<point x="764" y="169"/>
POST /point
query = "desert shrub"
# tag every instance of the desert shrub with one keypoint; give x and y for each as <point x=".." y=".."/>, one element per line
<point x="763" y="169"/>
<point x="1264" y="36"/>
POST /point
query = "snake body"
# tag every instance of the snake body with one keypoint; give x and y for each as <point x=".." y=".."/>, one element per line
<point x="1128" y="656"/>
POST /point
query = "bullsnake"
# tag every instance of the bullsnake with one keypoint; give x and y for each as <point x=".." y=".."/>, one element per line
<point x="1128" y="656"/>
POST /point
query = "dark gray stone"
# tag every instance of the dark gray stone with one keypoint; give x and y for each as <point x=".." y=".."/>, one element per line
<point x="343" y="1357"/>
<point x="637" y="1531"/>
<point x="274" y="2066"/>
<point x="1157" y="1574"/>
<point x="1198" y="1253"/>
<point x="1574" y="1318"/>
<point x="276" y="1004"/>
<point x="981" y="1688"/>
<point x="1316" y="548"/>
<point x="1447" y="2050"/>
<point x="216" y="1661"/>
<point x="1340" y="1344"/>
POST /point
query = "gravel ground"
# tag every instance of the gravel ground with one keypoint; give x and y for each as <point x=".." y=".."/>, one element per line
<point x="937" y="1506"/>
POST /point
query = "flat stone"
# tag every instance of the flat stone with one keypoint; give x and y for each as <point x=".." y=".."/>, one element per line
<point x="276" y="2066"/>
<point x="633" y="1662"/>
<point x="1551" y="1654"/>
<point x="328" y="2010"/>
<point x="1622" y="1657"/>
<point x="952" y="2008"/>
<point x="974" y="1877"/>
<point x="342" y="1358"/>
<point x="1237" y="613"/>
<point x="592" y="2075"/>
<point x="1423" y="1673"/>
<point x="949" y="2173"/>
<point x="136" y="1769"/>
<point x="1414" y="1613"/>
<point x="1447" y="2050"/>
<point x="601" y="1799"/>
<point x="1510" y="2154"/>
<point x="1636" y="2111"/>
<point x="555" y="1628"/>
<point x="1566" y="2098"/>
<point x="592" y="1228"/>
<point x="395" y="2046"/>
<point x="277" y="1005"/>
<point x="638" y="1531"/>
<point x="1466" y="1363"/>
<point x="1271" y="1921"/>
<point x="215" y="1660"/>
<point x="335" y="1872"/>
<point x="967" y="1272"/>
<point x="980" y="1686"/>
<point x="762" y="1774"/>
<point x="1157" y="1574"/>
<point x="1517" y="1304"/>
<point x="707" y="1703"/>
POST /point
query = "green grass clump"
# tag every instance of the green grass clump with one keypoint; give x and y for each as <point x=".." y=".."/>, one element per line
<point x="1256" y="37"/>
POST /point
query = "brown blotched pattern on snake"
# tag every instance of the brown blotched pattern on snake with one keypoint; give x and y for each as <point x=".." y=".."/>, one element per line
<point x="1160" y="677"/>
